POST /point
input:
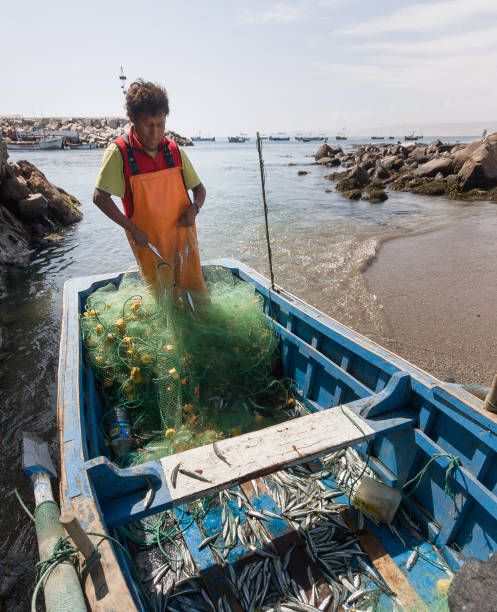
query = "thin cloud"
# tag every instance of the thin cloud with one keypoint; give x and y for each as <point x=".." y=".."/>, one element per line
<point x="421" y="17"/>
<point x="426" y="76"/>
<point x="469" y="41"/>
<point x="282" y="12"/>
<point x="278" y="13"/>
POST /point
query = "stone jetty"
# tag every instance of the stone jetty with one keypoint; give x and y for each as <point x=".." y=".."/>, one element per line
<point x="97" y="131"/>
<point x="463" y="171"/>
<point x="31" y="209"/>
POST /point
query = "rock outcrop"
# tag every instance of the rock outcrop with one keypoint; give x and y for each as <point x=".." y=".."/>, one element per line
<point x="457" y="171"/>
<point x="30" y="208"/>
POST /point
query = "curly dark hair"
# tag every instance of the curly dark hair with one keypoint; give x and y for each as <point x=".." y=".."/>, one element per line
<point x="145" y="97"/>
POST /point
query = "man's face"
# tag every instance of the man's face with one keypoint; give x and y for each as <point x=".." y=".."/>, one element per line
<point x="150" y="130"/>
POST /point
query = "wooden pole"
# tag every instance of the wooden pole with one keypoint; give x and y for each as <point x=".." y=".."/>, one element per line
<point x="78" y="535"/>
<point x="90" y="553"/>
<point x="263" y="183"/>
<point x="491" y="399"/>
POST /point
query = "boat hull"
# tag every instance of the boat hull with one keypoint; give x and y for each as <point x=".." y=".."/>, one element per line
<point x="81" y="147"/>
<point x="406" y="414"/>
<point x="43" y="144"/>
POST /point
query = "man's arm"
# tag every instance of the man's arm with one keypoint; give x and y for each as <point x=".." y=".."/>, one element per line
<point x="188" y="218"/>
<point x="107" y="205"/>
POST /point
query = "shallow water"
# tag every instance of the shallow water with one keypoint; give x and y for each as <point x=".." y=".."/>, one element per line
<point x="320" y="243"/>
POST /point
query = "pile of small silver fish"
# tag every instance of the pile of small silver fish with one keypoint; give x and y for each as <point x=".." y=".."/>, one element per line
<point x="262" y="581"/>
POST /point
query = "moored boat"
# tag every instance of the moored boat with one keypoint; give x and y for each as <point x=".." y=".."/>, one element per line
<point x="80" y="146"/>
<point x="396" y="422"/>
<point x="45" y="144"/>
<point x="240" y="138"/>
<point x="412" y="136"/>
<point x="280" y="136"/>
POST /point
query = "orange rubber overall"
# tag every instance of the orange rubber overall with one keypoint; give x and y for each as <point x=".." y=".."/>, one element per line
<point x="160" y="198"/>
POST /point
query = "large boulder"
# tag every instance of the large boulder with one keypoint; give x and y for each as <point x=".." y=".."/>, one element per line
<point x="324" y="151"/>
<point x="473" y="587"/>
<point x="434" y="147"/>
<point x="461" y="156"/>
<point x="434" y="166"/>
<point x="418" y="154"/>
<point x="329" y="161"/>
<point x="359" y="174"/>
<point x="392" y="162"/>
<point x="13" y="189"/>
<point x="62" y="206"/>
<point x="33" y="207"/>
<point x="431" y="188"/>
<point x="480" y="169"/>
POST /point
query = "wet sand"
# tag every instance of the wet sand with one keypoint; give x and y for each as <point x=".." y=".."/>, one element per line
<point x="439" y="294"/>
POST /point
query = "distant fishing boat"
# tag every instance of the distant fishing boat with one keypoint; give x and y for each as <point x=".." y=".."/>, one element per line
<point x="341" y="135"/>
<point x="411" y="136"/>
<point x="377" y="137"/>
<point x="280" y="136"/>
<point x="80" y="146"/>
<point x="200" y="138"/>
<point x="45" y="144"/>
<point x="391" y="138"/>
<point x="238" y="138"/>
<point x="312" y="138"/>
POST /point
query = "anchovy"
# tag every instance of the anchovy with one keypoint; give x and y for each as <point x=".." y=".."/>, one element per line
<point x="208" y="541"/>
<point x="255" y="514"/>
<point x="413" y="557"/>
<point x="148" y="497"/>
<point x="174" y="474"/>
<point x="219" y="453"/>
<point x="190" y="301"/>
<point x="325" y="603"/>
<point x="159" y="575"/>
<point x="193" y="475"/>
<point x="273" y="514"/>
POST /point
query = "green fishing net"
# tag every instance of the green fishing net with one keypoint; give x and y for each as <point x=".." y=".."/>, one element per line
<point x="185" y="375"/>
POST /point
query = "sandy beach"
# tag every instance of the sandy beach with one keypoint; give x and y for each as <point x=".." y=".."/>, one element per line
<point x="439" y="293"/>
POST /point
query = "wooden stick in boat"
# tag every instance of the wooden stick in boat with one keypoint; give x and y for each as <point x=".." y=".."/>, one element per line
<point x="78" y="535"/>
<point x="491" y="399"/>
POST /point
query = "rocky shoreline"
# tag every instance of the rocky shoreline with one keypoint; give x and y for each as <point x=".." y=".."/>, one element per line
<point x="31" y="209"/>
<point x="96" y="131"/>
<point x="459" y="171"/>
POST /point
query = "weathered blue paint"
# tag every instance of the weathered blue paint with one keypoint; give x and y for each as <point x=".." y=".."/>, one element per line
<point x="413" y="414"/>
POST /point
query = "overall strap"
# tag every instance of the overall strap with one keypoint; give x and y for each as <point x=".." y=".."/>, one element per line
<point x="133" y="164"/>
<point x="168" y="155"/>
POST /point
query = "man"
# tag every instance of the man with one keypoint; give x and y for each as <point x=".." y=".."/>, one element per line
<point x="152" y="176"/>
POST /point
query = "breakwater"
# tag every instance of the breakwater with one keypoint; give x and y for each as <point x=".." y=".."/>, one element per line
<point x="95" y="131"/>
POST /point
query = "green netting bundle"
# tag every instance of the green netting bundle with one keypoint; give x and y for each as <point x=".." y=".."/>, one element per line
<point x="185" y="375"/>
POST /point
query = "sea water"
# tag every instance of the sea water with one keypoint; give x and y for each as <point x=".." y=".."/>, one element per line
<point x="320" y="243"/>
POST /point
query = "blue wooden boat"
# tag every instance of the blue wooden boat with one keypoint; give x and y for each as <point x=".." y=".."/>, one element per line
<point x="406" y="417"/>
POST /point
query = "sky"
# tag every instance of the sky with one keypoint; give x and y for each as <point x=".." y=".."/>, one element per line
<point x="231" y="67"/>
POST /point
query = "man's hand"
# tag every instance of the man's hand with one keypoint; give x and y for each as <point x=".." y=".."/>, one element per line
<point x="140" y="238"/>
<point x="188" y="218"/>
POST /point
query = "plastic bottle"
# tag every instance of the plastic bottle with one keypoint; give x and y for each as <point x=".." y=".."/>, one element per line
<point x="119" y="431"/>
